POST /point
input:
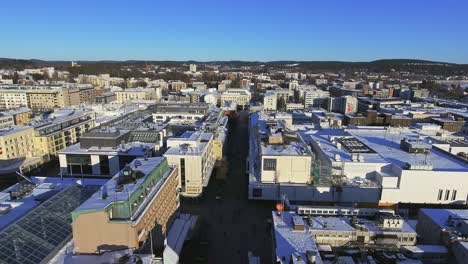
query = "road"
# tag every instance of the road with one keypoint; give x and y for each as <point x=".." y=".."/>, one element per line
<point x="231" y="226"/>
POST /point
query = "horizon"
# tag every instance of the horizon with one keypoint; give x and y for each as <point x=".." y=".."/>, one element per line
<point x="262" y="31"/>
<point x="246" y="61"/>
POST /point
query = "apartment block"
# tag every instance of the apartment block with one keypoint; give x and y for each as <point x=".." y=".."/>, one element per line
<point x="45" y="98"/>
<point x="6" y="121"/>
<point x="53" y="135"/>
<point x="137" y="204"/>
<point x="176" y="86"/>
<point x="12" y="99"/>
<point x="134" y="94"/>
<point x="17" y="142"/>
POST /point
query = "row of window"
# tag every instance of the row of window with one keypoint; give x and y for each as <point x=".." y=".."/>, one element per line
<point x="441" y="196"/>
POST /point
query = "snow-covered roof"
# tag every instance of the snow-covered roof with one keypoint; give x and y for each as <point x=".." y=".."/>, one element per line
<point x="289" y="241"/>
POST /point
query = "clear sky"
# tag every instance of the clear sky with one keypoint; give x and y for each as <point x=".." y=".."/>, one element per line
<point x="347" y="30"/>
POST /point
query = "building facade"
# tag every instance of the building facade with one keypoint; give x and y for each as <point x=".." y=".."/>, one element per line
<point x="138" y="204"/>
<point x="51" y="136"/>
<point x="194" y="155"/>
<point x="240" y="96"/>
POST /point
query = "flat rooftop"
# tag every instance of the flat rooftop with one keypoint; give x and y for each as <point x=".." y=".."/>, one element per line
<point x="127" y="149"/>
<point x="114" y="194"/>
<point x="386" y="145"/>
<point x="440" y="216"/>
<point x="13" y="130"/>
<point x="189" y="143"/>
<point x="285" y="149"/>
<point x="330" y="223"/>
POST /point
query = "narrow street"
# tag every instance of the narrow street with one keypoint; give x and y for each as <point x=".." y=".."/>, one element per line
<point x="231" y="225"/>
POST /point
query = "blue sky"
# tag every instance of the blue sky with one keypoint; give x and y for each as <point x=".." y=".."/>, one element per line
<point x="358" y="30"/>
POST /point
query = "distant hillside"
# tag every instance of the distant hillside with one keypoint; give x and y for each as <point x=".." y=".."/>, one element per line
<point x="381" y="66"/>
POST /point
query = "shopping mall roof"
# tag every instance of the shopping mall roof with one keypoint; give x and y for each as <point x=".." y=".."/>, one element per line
<point x="44" y="230"/>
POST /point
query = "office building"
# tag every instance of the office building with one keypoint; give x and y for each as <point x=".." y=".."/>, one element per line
<point x="312" y="96"/>
<point x="240" y="96"/>
<point x="195" y="158"/>
<point x="386" y="229"/>
<point x="374" y="118"/>
<point x="183" y="111"/>
<point x="344" y="104"/>
<point x="276" y="156"/>
<point x="102" y="153"/>
<point x="371" y="165"/>
<point x="137" y="205"/>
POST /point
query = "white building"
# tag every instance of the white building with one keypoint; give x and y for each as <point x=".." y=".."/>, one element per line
<point x="193" y="67"/>
<point x="371" y="165"/>
<point x="12" y="98"/>
<point x="194" y="156"/>
<point x="293" y="85"/>
<point x="294" y="106"/>
<point x="270" y="101"/>
<point x="240" y="96"/>
<point x="129" y="94"/>
<point x="313" y="97"/>
<point x="397" y="161"/>
<point x="276" y="157"/>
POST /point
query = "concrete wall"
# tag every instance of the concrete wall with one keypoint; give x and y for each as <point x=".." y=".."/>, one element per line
<point x="423" y="187"/>
<point x="300" y="192"/>
<point x="289" y="169"/>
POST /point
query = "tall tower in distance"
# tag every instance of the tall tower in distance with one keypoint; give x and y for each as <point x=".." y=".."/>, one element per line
<point x="193" y="67"/>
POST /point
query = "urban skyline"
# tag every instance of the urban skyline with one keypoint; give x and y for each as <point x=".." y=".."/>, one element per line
<point x="219" y="132"/>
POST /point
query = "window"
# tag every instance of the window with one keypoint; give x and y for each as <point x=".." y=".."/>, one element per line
<point x="182" y="171"/>
<point x="454" y="195"/>
<point x="447" y="194"/>
<point x="269" y="164"/>
<point x="439" y="197"/>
